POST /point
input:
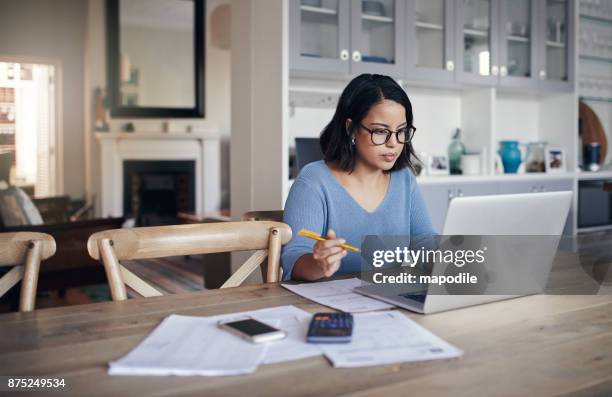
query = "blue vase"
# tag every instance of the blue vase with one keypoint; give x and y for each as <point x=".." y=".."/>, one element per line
<point x="510" y="156"/>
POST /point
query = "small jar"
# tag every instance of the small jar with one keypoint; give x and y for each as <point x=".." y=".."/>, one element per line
<point x="535" y="159"/>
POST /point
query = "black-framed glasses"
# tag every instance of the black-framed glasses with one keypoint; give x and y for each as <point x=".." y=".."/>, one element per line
<point x="380" y="136"/>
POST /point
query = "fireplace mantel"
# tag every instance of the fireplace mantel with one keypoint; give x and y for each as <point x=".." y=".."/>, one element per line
<point x="202" y="147"/>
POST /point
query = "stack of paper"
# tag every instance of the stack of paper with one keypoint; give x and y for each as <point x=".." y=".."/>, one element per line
<point x="183" y="345"/>
<point x="339" y="295"/>
<point x="386" y="338"/>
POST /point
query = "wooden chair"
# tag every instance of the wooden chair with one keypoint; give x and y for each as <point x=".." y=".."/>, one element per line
<point x="111" y="246"/>
<point x="24" y="250"/>
<point x="271" y="215"/>
<point x="275" y="216"/>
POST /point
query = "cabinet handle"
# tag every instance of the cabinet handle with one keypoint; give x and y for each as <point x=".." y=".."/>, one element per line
<point x="534" y="189"/>
<point x="450" y="66"/>
<point x="459" y="193"/>
<point x="494" y="70"/>
<point x="542" y="188"/>
<point x="503" y="71"/>
<point x="356" y="56"/>
<point x="344" y="55"/>
<point x="542" y="74"/>
<point x="450" y="195"/>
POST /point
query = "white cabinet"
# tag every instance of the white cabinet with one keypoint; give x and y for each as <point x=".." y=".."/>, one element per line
<point x="551" y="185"/>
<point x="437" y="197"/>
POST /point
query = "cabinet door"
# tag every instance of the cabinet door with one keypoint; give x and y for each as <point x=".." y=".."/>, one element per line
<point x="557" y="185"/>
<point x="556" y="45"/>
<point x="437" y="198"/>
<point x="562" y="185"/>
<point x="319" y="35"/>
<point x="429" y="43"/>
<point x="477" y="41"/>
<point x="377" y="34"/>
<point x="475" y="189"/>
<point x="553" y="185"/>
<point x="517" y="50"/>
<point x="518" y="187"/>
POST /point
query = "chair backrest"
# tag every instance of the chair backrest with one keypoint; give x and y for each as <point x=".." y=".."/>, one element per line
<point x="270" y="215"/>
<point x="111" y="246"/>
<point x="24" y="251"/>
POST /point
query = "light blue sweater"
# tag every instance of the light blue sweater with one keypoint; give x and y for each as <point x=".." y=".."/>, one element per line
<point x="318" y="202"/>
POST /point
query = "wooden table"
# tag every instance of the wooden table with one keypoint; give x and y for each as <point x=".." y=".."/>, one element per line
<point x="531" y="346"/>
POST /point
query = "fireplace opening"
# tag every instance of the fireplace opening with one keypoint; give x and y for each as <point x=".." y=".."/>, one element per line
<point x="154" y="192"/>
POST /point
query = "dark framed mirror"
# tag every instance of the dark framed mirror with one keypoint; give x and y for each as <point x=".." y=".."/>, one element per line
<point x="155" y="58"/>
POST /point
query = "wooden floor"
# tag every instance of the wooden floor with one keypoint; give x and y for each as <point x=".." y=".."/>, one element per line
<point x="173" y="275"/>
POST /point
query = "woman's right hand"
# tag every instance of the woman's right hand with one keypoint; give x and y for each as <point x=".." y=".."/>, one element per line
<point x="328" y="255"/>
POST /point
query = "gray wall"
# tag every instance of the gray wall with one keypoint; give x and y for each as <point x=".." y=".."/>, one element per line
<point x="54" y="29"/>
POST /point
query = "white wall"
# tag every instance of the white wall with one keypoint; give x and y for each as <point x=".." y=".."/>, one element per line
<point x="259" y="70"/>
<point x="54" y="29"/>
<point x="437" y="113"/>
<point x="517" y="117"/>
<point x="217" y="100"/>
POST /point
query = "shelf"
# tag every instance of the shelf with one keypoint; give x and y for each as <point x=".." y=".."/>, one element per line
<point x="593" y="229"/>
<point x="555" y="44"/>
<point x="445" y="179"/>
<point x="319" y="10"/>
<point x="600" y="20"/>
<point x="376" y="18"/>
<point x="474" y="32"/>
<point x="427" y="25"/>
<point x="584" y="175"/>
<point x="518" y="39"/>
<point x="595" y="59"/>
<point x="595" y="99"/>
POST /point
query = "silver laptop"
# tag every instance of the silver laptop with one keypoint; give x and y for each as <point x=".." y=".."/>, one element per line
<point x="532" y="214"/>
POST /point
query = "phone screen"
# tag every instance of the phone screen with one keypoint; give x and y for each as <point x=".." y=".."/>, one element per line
<point x="251" y="327"/>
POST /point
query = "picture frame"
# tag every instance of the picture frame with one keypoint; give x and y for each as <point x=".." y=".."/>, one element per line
<point x="437" y="164"/>
<point x="555" y="160"/>
<point x="123" y="79"/>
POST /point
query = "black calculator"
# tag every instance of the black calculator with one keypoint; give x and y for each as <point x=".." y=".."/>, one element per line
<point x="330" y="328"/>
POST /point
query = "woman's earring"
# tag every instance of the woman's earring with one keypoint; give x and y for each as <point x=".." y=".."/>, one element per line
<point x="353" y="141"/>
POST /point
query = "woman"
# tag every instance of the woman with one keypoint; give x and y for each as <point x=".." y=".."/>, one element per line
<point x="364" y="185"/>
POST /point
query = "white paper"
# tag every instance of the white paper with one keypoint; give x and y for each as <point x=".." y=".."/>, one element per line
<point x="386" y="338"/>
<point x="184" y="345"/>
<point x="339" y="295"/>
<point x="290" y="319"/>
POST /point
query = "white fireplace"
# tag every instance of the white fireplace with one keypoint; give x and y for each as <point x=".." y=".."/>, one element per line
<point x="202" y="147"/>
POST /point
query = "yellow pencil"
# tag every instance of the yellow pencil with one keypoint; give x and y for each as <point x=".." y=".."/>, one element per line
<point x="314" y="236"/>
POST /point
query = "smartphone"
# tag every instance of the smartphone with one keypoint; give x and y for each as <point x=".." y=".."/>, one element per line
<point x="252" y="330"/>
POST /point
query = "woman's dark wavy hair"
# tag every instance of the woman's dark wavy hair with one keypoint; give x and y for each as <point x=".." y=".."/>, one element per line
<point x="359" y="96"/>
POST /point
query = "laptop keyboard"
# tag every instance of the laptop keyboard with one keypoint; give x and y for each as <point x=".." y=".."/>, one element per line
<point x="415" y="296"/>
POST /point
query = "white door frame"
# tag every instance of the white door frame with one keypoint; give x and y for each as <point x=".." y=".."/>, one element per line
<point x="57" y="146"/>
